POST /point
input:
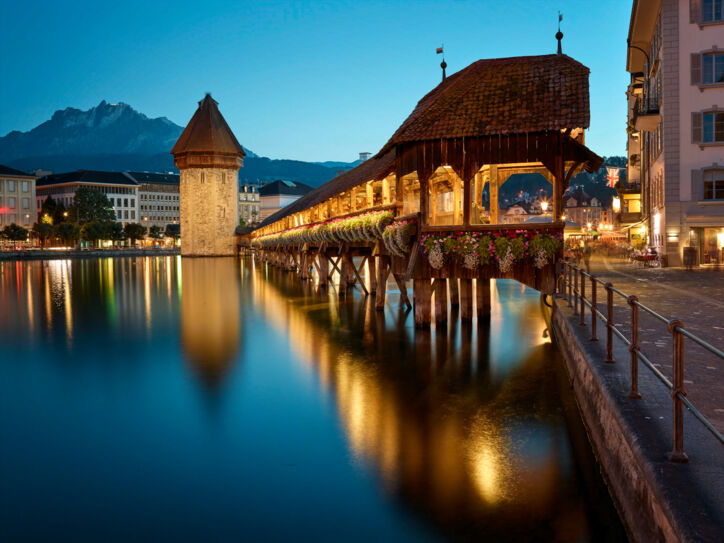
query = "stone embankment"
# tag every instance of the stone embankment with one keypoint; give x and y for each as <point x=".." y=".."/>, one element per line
<point x="91" y="253"/>
<point x="658" y="500"/>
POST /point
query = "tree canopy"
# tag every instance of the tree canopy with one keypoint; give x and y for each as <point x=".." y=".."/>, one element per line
<point x="134" y="231"/>
<point x="52" y="212"/>
<point x="91" y="206"/>
<point x="13" y="232"/>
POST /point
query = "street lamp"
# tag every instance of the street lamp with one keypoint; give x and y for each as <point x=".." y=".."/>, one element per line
<point x="544" y="206"/>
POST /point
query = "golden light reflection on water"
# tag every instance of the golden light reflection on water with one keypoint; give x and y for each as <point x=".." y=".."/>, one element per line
<point x="434" y="434"/>
<point x="462" y="423"/>
<point x="210" y="315"/>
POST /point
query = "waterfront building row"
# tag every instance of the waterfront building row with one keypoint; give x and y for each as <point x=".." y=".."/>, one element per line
<point x="17" y="194"/>
<point x="676" y="125"/>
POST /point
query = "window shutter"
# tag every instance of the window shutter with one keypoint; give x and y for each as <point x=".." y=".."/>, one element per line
<point x="695" y="68"/>
<point x="697" y="185"/>
<point x="696" y="135"/>
<point x="694" y="11"/>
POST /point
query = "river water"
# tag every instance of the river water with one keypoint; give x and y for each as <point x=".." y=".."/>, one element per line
<point x="216" y="400"/>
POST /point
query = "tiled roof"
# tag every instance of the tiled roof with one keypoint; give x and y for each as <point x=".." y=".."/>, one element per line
<point x="502" y="96"/>
<point x="87" y="176"/>
<point x="5" y="170"/>
<point x="160" y="178"/>
<point x="293" y="188"/>
<point x="372" y="169"/>
<point x="207" y="131"/>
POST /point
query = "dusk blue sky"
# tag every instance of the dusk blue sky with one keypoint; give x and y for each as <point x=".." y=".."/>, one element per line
<point x="301" y="80"/>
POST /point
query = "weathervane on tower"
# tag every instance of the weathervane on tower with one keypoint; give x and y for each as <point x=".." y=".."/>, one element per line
<point x="443" y="64"/>
<point x="559" y="34"/>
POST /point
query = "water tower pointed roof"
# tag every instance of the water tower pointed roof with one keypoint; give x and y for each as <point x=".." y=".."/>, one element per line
<point x="207" y="132"/>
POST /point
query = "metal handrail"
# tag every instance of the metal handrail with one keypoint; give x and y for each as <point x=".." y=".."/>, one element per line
<point x="572" y="286"/>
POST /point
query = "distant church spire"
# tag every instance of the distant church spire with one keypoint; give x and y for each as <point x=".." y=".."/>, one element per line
<point x="559" y="34"/>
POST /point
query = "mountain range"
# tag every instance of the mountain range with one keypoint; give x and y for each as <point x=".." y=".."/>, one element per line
<point x="116" y="137"/>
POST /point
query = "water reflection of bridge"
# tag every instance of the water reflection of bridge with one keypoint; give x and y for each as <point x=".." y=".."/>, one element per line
<point x="462" y="421"/>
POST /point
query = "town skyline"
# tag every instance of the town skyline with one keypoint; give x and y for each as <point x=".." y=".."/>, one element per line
<point x="282" y="73"/>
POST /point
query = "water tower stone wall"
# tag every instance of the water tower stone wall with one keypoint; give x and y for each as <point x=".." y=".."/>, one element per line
<point x="209" y="211"/>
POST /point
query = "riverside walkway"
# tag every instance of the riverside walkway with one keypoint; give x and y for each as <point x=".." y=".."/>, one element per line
<point x="694" y="297"/>
<point x="633" y="428"/>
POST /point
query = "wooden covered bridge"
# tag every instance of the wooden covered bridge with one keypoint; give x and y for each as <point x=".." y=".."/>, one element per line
<point x="419" y="209"/>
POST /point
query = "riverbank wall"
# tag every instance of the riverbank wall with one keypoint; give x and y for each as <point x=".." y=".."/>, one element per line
<point x="657" y="500"/>
<point x="71" y="254"/>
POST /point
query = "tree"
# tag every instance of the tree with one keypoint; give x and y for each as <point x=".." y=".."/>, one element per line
<point x="13" y="232"/>
<point x="173" y="231"/>
<point x="116" y="231"/>
<point x="91" y="206"/>
<point x="52" y="212"/>
<point x="155" y="232"/>
<point x="95" y="230"/>
<point x="68" y="232"/>
<point x="44" y="232"/>
<point x="134" y="231"/>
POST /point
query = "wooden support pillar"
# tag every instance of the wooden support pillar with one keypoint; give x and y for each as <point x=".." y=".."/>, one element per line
<point x="323" y="266"/>
<point x="421" y="297"/>
<point x="403" y="289"/>
<point x="558" y="184"/>
<point x="482" y="295"/>
<point x="457" y="200"/>
<point x="344" y="274"/>
<point x="467" y="197"/>
<point x="383" y="272"/>
<point x="466" y="299"/>
<point x="440" y="288"/>
<point x="454" y="293"/>
<point x="372" y="274"/>
<point x="494" y="194"/>
<point x="386" y="191"/>
<point x="370" y="194"/>
<point x="424" y="201"/>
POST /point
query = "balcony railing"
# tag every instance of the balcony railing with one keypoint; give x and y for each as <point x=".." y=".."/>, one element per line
<point x="646" y="112"/>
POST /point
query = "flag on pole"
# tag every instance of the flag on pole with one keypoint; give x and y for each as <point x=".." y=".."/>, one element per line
<point x="612" y="176"/>
<point x="560" y="16"/>
<point x="439" y="50"/>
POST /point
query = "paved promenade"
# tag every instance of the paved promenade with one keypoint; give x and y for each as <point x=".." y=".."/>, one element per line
<point x="694" y="297"/>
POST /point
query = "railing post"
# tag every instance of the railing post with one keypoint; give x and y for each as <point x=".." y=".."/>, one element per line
<point x="594" y="309"/>
<point x="634" y="348"/>
<point x="678" y="454"/>
<point x="569" y="283"/>
<point x="575" y="291"/>
<point x="609" y="325"/>
<point x="583" y="299"/>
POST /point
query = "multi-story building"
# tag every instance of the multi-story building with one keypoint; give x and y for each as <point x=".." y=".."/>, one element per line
<point x="120" y="188"/>
<point x="17" y="195"/>
<point x="676" y="124"/>
<point x="158" y="196"/>
<point x="585" y="210"/>
<point x="279" y="194"/>
<point x="249" y="205"/>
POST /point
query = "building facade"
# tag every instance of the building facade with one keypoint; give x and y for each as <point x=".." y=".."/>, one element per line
<point x="159" y="198"/>
<point x="208" y="156"/>
<point x="278" y="194"/>
<point x="17" y="198"/>
<point x="676" y="124"/>
<point x="249" y="205"/>
<point x="120" y="188"/>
